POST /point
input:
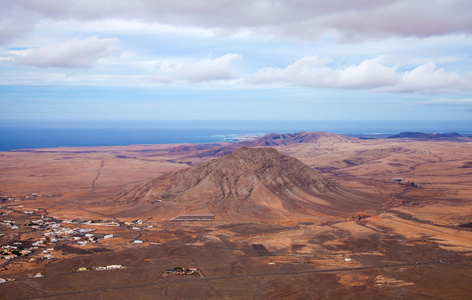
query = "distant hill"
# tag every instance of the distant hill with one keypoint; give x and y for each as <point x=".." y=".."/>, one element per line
<point x="430" y="136"/>
<point x="269" y="140"/>
<point x="256" y="183"/>
<point x="285" y="139"/>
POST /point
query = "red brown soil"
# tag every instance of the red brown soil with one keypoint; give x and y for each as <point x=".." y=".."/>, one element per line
<point x="410" y="248"/>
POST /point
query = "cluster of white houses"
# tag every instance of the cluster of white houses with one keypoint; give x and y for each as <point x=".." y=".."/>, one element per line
<point x="24" y="248"/>
<point x="9" y="223"/>
<point x="91" y="222"/>
<point x="54" y="232"/>
<point x="18" y="198"/>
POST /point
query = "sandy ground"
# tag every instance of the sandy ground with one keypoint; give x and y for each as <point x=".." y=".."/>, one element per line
<point x="411" y="248"/>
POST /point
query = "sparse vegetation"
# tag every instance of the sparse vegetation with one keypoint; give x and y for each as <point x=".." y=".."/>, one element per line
<point x="414" y="236"/>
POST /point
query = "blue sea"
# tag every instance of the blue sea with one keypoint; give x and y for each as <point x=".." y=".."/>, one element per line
<point x="47" y="134"/>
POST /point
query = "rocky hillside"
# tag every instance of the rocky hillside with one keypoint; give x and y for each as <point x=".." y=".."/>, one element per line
<point x="251" y="183"/>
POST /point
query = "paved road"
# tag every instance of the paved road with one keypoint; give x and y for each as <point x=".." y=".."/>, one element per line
<point x="163" y="282"/>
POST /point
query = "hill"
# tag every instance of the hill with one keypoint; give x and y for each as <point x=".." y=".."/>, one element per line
<point x="452" y="136"/>
<point x="269" y="140"/>
<point x="256" y="183"/>
<point x="285" y="139"/>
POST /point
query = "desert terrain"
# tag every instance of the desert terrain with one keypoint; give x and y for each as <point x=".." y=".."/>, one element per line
<point x="307" y="215"/>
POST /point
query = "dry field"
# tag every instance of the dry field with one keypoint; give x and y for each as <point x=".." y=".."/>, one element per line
<point x="409" y="247"/>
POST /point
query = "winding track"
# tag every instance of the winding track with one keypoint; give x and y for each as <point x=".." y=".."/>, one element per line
<point x="98" y="174"/>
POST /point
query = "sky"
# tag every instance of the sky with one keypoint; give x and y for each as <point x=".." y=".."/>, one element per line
<point x="236" y="60"/>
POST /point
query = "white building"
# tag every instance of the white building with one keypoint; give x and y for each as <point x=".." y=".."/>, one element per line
<point x="112" y="267"/>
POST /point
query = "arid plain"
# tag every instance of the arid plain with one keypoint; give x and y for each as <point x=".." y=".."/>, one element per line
<point x="400" y="228"/>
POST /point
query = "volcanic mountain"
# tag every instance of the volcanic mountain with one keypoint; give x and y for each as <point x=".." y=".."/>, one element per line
<point x="256" y="183"/>
<point x="268" y="140"/>
<point x="285" y="139"/>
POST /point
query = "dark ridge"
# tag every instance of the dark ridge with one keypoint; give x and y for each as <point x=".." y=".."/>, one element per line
<point x="427" y="136"/>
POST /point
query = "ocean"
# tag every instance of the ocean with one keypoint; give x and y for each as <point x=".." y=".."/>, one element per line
<point x="48" y="134"/>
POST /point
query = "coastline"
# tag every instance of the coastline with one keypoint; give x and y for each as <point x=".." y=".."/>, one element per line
<point x="52" y="134"/>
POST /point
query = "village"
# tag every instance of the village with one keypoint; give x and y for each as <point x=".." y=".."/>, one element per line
<point x="30" y="235"/>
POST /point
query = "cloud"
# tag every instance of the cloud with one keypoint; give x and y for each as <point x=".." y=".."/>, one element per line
<point x="428" y="78"/>
<point x="312" y="71"/>
<point x="448" y="102"/>
<point x="74" y="53"/>
<point x="128" y="26"/>
<point x="206" y="69"/>
<point x="10" y="30"/>
<point x="460" y="104"/>
<point x="15" y="22"/>
<point x="451" y="101"/>
<point x="350" y="20"/>
<point x="372" y="74"/>
<point x="419" y="18"/>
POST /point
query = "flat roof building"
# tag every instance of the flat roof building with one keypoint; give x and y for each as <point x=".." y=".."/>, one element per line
<point x="207" y="217"/>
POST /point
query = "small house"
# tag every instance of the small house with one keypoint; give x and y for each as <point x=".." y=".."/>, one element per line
<point x="113" y="267"/>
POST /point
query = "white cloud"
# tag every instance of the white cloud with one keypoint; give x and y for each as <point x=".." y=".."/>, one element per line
<point x="123" y="26"/>
<point x="351" y="20"/>
<point x="428" y="78"/>
<point x="373" y="74"/>
<point x="370" y="73"/>
<point x="74" y="53"/>
<point x="206" y="69"/>
<point x="312" y="71"/>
